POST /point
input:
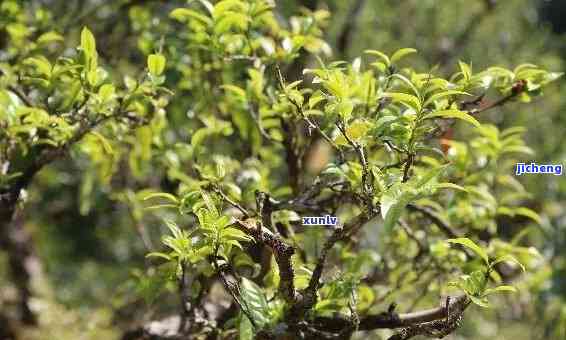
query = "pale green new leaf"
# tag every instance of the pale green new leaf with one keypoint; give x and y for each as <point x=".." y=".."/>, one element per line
<point x="528" y="213"/>
<point x="49" y="37"/>
<point x="380" y="55"/>
<point x="499" y="289"/>
<point x="156" y="64"/>
<point x="163" y="195"/>
<point x="466" y="70"/>
<point x="88" y="43"/>
<point x="466" y="242"/>
<point x="453" y="114"/>
<point x="508" y="258"/>
<point x="158" y="254"/>
<point x="450" y="186"/>
<point x="406" y="99"/>
<point x="401" y="54"/>
<point x="393" y="202"/>
<point x="482" y="302"/>
<point x="182" y="14"/>
<point x="443" y="94"/>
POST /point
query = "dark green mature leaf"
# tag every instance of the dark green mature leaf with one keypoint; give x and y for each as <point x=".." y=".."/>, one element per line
<point x="255" y="302"/>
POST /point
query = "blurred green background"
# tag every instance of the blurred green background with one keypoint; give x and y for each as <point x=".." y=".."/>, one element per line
<point x="89" y="242"/>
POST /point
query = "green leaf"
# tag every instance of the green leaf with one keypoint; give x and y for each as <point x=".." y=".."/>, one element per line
<point x="508" y="258"/>
<point x="104" y="142"/>
<point x="466" y="242"/>
<point x="41" y="65"/>
<point x="235" y="234"/>
<point x="156" y="64"/>
<point x="443" y="94"/>
<point x="160" y="206"/>
<point x="238" y="91"/>
<point x="528" y="213"/>
<point x="255" y="302"/>
<point x="344" y="109"/>
<point x="49" y="37"/>
<point x="246" y="331"/>
<point x="158" y="254"/>
<point x="453" y="114"/>
<point x="406" y="99"/>
<point x="466" y="70"/>
<point x="231" y="21"/>
<point x="355" y="131"/>
<point x="316" y="98"/>
<point x="450" y="186"/>
<point x="380" y="55"/>
<point x="106" y="92"/>
<point x="407" y="82"/>
<point x="182" y="14"/>
<point x="518" y="149"/>
<point x="395" y="199"/>
<point x="88" y="43"/>
<point x="163" y="195"/>
<point x="401" y="54"/>
<point x="393" y="202"/>
<point x="209" y="202"/>
<point x="482" y="302"/>
<point x="499" y="289"/>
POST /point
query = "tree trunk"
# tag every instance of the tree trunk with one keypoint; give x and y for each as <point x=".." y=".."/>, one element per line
<point x="22" y="260"/>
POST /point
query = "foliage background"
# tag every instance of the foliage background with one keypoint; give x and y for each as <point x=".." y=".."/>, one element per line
<point x="89" y="242"/>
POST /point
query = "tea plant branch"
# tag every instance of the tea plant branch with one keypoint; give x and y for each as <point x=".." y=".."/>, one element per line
<point x="437" y="328"/>
<point x="339" y="233"/>
<point x="185" y="312"/>
<point x="292" y="157"/>
<point x="21" y="95"/>
<point x="314" y="282"/>
<point x="50" y="154"/>
<point x="517" y="88"/>
<point x="282" y="252"/>
<point x="392" y="320"/>
<point x="305" y="201"/>
<point x="228" y="200"/>
<point x="232" y="289"/>
<point x="501" y="268"/>
<point x="310" y="123"/>
<point x="384" y="101"/>
<point x="367" y="187"/>
<point x="436" y="219"/>
<point x="255" y="115"/>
